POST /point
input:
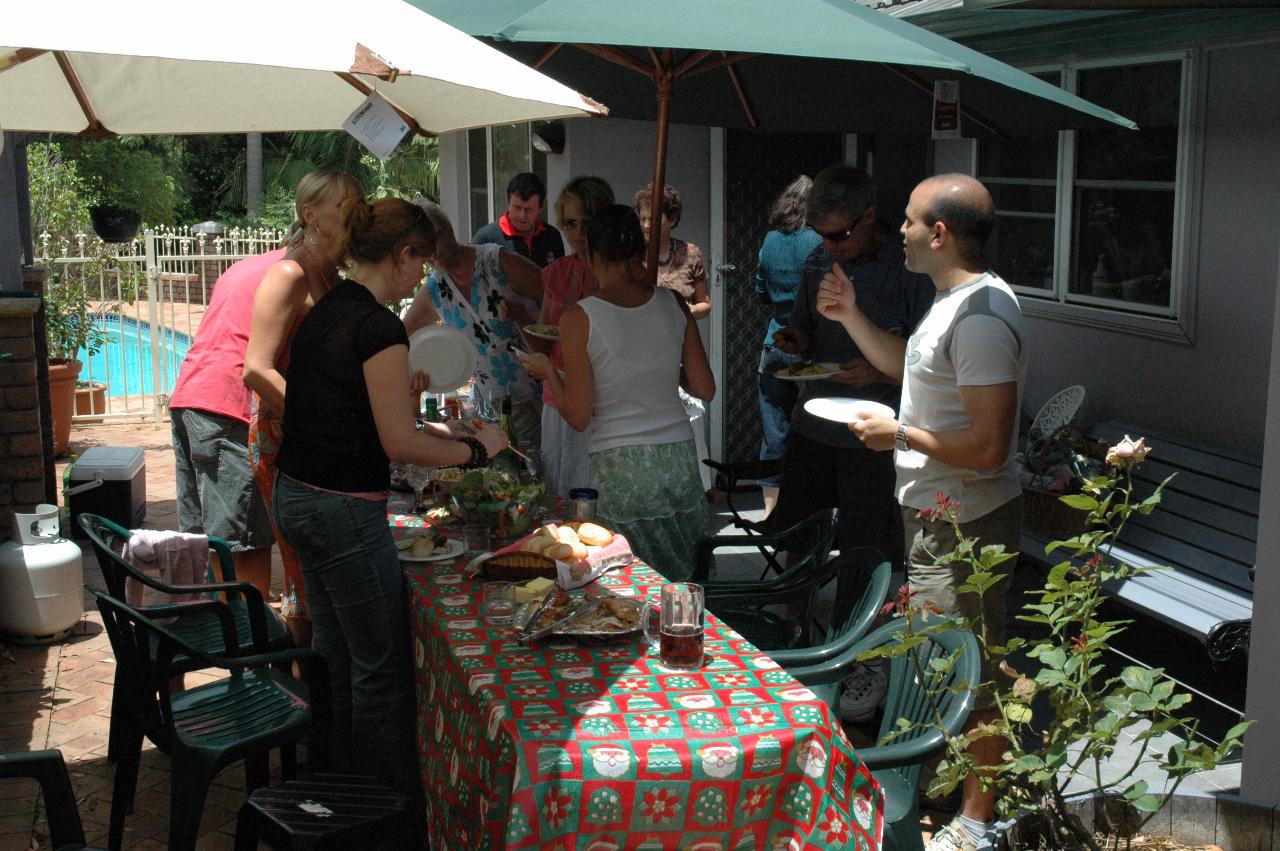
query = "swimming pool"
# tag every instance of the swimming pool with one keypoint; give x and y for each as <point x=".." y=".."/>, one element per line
<point x="124" y="361"/>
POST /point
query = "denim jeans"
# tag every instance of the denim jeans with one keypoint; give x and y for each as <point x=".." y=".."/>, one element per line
<point x="777" y="401"/>
<point x="359" y="615"/>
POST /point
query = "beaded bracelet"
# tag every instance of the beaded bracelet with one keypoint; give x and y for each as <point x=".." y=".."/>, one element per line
<point x="479" y="455"/>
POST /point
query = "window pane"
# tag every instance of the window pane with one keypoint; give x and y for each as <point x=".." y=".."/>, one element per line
<point x="1122" y="244"/>
<point x="1150" y="96"/>
<point x="1021" y="251"/>
<point x="510" y="157"/>
<point x="1027" y="156"/>
<point x="478" y="179"/>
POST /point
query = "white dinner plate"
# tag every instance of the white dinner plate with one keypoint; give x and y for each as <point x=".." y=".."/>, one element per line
<point x="452" y="549"/>
<point x="543" y="332"/>
<point x="846" y="410"/>
<point x="829" y="369"/>
<point x="445" y="354"/>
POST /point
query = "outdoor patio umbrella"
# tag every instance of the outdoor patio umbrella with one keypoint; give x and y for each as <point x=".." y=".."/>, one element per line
<point x="149" y="66"/>
<point x="801" y="65"/>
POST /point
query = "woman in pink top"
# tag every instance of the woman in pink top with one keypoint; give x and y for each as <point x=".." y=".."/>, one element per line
<point x="564" y="283"/>
<point x="210" y="409"/>
<point x="308" y="270"/>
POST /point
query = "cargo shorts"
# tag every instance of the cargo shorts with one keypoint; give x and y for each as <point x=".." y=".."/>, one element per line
<point x="216" y="493"/>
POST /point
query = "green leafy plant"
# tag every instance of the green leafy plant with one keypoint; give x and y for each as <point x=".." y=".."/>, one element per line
<point x="122" y="173"/>
<point x="60" y="218"/>
<point x="1061" y="715"/>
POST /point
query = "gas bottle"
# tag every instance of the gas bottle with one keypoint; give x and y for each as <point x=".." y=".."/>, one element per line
<point x="41" y="579"/>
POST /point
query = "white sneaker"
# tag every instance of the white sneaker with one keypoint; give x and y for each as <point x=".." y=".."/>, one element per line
<point x="953" y="837"/>
<point x="863" y="692"/>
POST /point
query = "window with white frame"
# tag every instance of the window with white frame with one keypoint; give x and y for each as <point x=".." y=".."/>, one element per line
<point x="495" y="155"/>
<point x="1088" y="221"/>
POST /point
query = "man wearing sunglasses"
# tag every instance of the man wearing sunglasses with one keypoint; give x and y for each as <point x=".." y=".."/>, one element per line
<point x="824" y="464"/>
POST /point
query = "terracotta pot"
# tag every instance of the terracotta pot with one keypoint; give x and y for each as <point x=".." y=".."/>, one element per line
<point x="91" y="400"/>
<point x="62" y="398"/>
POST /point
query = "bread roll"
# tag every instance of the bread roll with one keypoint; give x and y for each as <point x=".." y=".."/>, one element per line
<point x="560" y="552"/>
<point x="594" y="535"/>
<point x="543" y="543"/>
<point x="579" y="551"/>
<point x="548" y="531"/>
<point x="567" y="535"/>
<point x="422" y="547"/>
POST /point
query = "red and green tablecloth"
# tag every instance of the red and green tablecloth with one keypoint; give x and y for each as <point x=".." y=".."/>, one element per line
<point x="568" y="746"/>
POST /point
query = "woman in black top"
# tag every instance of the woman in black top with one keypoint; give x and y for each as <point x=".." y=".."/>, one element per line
<point x="347" y="410"/>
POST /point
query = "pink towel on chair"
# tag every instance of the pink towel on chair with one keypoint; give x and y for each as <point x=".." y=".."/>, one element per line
<point x="175" y="558"/>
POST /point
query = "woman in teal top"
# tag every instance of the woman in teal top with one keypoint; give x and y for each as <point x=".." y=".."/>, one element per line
<point x="781" y="266"/>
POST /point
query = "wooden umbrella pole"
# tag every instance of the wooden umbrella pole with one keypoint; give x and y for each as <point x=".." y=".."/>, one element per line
<point x="666" y="84"/>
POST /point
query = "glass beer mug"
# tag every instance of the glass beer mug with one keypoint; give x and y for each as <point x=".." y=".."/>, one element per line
<point x="680" y="613"/>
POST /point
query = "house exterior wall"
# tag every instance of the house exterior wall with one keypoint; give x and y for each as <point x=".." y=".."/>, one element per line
<point x="1168" y="385"/>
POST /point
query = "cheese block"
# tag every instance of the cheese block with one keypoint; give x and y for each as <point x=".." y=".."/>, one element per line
<point x="533" y="589"/>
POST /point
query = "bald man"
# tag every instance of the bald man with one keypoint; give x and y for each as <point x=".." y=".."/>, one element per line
<point x="962" y="373"/>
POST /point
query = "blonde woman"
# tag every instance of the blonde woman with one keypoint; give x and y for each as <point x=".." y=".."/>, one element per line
<point x="290" y="288"/>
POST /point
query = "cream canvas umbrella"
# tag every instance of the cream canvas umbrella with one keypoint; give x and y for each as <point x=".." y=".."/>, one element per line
<point x="153" y="66"/>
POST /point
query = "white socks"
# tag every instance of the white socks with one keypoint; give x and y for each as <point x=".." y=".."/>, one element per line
<point x="975" y="829"/>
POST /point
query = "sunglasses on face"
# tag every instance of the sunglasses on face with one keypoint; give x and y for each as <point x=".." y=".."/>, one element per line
<point x="835" y="236"/>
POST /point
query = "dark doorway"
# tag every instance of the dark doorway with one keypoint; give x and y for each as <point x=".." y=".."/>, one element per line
<point x="757" y="167"/>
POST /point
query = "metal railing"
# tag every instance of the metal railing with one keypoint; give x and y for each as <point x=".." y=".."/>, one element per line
<point x="146" y="298"/>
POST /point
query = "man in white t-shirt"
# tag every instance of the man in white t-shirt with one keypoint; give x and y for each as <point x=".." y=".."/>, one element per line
<point x="962" y="373"/>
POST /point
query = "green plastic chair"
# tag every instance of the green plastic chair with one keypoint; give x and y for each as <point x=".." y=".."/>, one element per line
<point x="244" y="716"/>
<point x="258" y="627"/>
<point x="860" y="593"/>
<point x="66" y="831"/>
<point x="896" y="766"/>
<point x="743" y="603"/>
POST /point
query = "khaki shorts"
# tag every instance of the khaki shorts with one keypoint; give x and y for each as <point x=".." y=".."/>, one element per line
<point x="926" y="540"/>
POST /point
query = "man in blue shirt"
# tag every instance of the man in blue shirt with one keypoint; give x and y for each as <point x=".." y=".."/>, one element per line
<point x="824" y="463"/>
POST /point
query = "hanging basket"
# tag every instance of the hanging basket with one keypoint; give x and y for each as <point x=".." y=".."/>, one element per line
<point x="114" y="224"/>
<point x="1044" y="513"/>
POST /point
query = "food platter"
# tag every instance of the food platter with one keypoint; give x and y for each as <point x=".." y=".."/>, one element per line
<point x="445" y="354"/>
<point x="846" y="410"/>
<point x="605" y="617"/>
<point x="543" y="332"/>
<point x="808" y="371"/>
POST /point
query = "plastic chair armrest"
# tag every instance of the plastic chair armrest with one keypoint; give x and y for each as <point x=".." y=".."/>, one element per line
<point x="183" y="608"/>
<point x="897" y="754"/>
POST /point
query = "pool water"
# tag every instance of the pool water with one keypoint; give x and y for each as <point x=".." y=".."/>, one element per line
<point x="124" y="361"/>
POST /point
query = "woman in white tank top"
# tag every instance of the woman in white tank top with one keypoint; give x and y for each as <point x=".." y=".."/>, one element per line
<point x="627" y="350"/>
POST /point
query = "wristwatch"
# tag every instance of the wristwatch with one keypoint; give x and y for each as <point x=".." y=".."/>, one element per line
<point x="900" y="439"/>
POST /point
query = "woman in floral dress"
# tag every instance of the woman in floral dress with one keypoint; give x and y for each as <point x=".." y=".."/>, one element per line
<point x="485" y="291"/>
<point x="290" y="288"/>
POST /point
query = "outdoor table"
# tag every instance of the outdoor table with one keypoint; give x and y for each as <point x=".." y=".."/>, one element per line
<point x="599" y="746"/>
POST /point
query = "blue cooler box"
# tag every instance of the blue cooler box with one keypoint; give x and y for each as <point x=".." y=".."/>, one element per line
<point x="110" y="481"/>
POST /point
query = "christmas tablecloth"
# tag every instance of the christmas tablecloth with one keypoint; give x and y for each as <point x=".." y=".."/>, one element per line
<point x="568" y="746"/>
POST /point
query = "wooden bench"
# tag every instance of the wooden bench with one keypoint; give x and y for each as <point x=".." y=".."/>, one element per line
<point x="1205" y="531"/>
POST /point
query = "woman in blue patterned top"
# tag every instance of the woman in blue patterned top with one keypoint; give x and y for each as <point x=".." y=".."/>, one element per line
<point x="781" y="266"/>
<point x="477" y="289"/>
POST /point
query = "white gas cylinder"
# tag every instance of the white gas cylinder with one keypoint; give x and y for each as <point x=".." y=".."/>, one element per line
<point x="41" y="579"/>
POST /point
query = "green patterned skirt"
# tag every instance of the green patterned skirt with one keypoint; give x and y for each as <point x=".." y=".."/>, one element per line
<point x="653" y="495"/>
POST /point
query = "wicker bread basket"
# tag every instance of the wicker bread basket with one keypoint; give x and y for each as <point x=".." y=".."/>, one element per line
<point x="519" y="566"/>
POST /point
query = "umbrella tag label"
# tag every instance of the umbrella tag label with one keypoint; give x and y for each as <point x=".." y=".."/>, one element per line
<point x="946" y="109"/>
<point x="376" y="125"/>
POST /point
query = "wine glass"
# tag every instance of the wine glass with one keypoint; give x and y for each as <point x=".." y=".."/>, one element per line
<point x="418" y="476"/>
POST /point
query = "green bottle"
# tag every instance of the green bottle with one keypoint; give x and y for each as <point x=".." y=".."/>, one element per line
<point x="430" y="411"/>
<point x="506" y="460"/>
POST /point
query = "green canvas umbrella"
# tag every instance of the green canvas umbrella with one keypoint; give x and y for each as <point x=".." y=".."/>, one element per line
<point x="793" y="65"/>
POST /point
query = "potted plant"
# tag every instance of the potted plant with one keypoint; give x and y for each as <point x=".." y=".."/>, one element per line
<point x="126" y="185"/>
<point x="1061" y="714"/>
